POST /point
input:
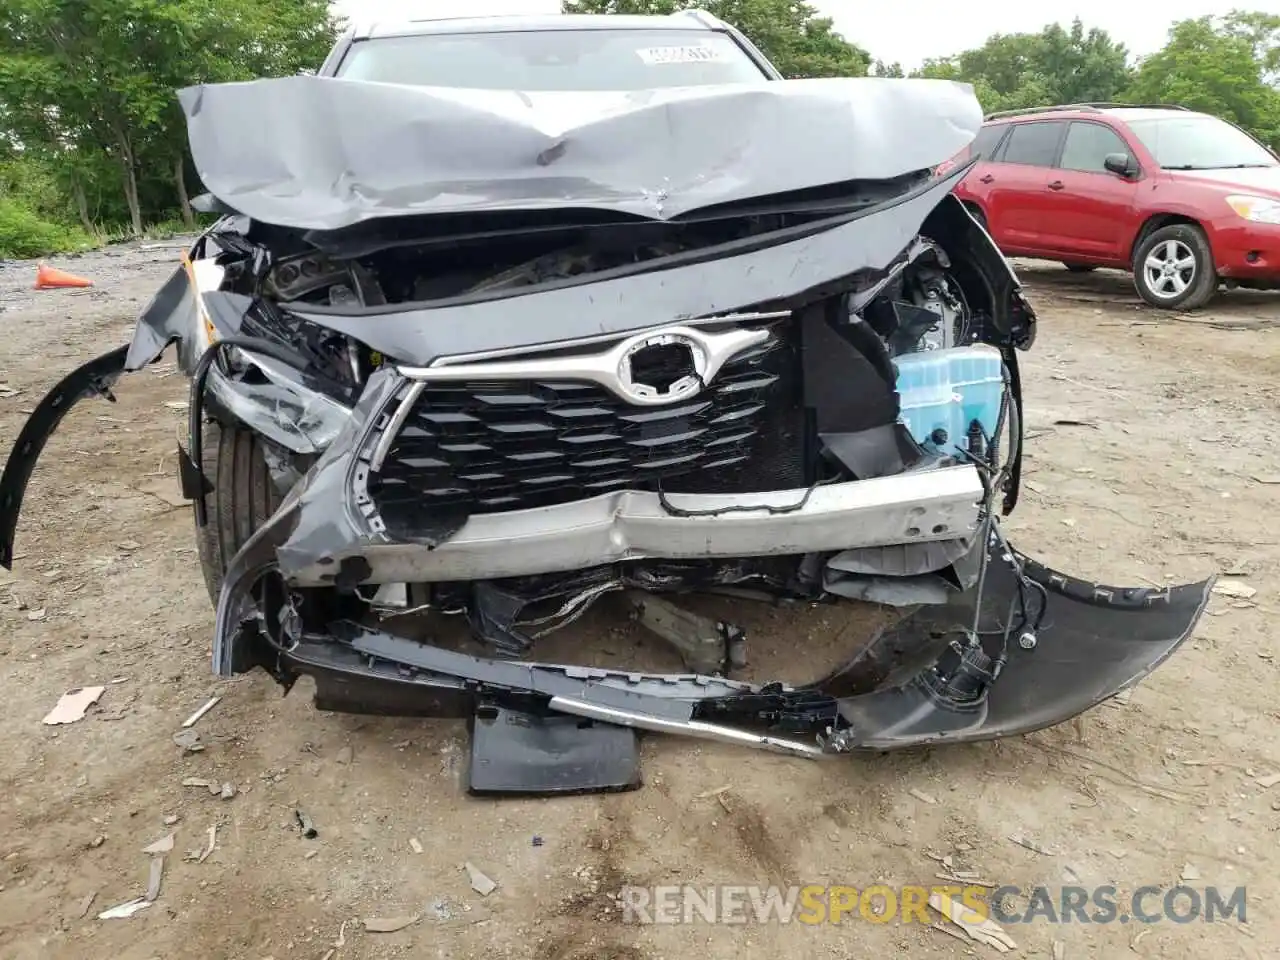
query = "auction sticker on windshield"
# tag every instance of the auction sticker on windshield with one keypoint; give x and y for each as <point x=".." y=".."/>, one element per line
<point x="697" y="53"/>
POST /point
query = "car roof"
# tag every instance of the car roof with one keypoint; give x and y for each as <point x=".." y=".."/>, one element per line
<point x="684" y="20"/>
<point x="1079" y="111"/>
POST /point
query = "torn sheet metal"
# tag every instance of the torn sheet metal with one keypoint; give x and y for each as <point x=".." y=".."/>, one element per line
<point x="396" y="150"/>
<point x="699" y="284"/>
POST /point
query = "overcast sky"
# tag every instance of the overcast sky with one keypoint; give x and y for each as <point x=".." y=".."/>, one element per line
<point x="923" y="28"/>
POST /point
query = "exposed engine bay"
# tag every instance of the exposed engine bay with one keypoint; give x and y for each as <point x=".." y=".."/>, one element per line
<point x="495" y="414"/>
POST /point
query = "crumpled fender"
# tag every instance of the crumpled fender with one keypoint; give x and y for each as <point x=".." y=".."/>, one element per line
<point x="1093" y="642"/>
<point x="93" y="379"/>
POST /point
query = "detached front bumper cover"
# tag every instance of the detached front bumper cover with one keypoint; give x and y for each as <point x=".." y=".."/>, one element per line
<point x="915" y="683"/>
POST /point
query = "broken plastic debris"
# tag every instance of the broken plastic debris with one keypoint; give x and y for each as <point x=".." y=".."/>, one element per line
<point x="1030" y="845"/>
<point x="197" y="782"/>
<point x="73" y="704"/>
<point x="153" y="879"/>
<point x="209" y="705"/>
<point x="228" y="791"/>
<point x="415" y="844"/>
<point x="388" y="924"/>
<point x="711" y="793"/>
<point x="1233" y="588"/>
<point x="922" y="796"/>
<point x="163" y="845"/>
<point x="36" y="614"/>
<point x="1189" y="872"/>
<point x="85" y="904"/>
<point x="188" y="740"/>
<point x="1269" y="781"/>
<point x="213" y="840"/>
<point x="125" y="910"/>
<point x="976" y="926"/>
<point x="1267" y="478"/>
<point x="306" y="825"/>
<point x="479" y="882"/>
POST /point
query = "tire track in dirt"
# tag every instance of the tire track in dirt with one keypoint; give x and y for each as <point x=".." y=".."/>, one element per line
<point x="590" y="920"/>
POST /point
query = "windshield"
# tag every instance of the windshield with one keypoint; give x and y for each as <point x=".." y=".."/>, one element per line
<point x="1200" y="143"/>
<point x="554" y="60"/>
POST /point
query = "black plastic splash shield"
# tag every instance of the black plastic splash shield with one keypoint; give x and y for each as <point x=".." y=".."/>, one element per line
<point x="514" y="752"/>
<point x="1093" y="642"/>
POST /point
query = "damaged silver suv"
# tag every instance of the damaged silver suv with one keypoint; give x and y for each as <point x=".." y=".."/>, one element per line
<point x="505" y="315"/>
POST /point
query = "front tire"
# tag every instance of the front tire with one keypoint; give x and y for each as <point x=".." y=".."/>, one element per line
<point x="243" y="498"/>
<point x="1173" y="268"/>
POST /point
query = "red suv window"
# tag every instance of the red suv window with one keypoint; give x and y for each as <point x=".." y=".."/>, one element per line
<point x="1034" y="143"/>
<point x="1087" y="145"/>
<point x="988" y="139"/>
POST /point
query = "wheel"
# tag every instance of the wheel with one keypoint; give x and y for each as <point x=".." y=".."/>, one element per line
<point x="1079" y="267"/>
<point x="1173" y="268"/>
<point x="242" y="499"/>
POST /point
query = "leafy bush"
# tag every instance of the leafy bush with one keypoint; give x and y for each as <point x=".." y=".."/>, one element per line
<point x="23" y="234"/>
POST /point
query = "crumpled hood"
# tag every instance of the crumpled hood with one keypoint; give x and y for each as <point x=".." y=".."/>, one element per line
<point x="319" y="153"/>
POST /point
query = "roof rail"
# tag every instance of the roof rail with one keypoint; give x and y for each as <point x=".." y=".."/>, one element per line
<point x="1082" y="108"/>
<point x="1137" y="106"/>
<point x="1025" y="111"/>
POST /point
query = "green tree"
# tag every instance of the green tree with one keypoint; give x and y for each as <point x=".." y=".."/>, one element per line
<point x="1057" y="65"/>
<point x="1214" y="66"/>
<point x="1262" y="30"/>
<point x="90" y="83"/>
<point x="791" y="34"/>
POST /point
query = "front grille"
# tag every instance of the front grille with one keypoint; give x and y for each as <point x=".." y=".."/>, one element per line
<point x="485" y="447"/>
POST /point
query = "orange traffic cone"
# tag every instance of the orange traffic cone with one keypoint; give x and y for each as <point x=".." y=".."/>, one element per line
<point x="50" y="278"/>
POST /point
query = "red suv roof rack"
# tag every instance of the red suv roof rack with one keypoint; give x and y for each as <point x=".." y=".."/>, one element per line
<point x="1082" y="108"/>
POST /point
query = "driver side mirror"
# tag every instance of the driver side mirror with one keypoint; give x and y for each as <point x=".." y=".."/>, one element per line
<point x="1121" y="164"/>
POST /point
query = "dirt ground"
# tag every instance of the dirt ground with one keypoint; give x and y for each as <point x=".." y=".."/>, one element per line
<point x="1158" y="485"/>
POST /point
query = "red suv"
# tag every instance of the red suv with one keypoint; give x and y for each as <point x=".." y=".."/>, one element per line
<point x="1184" y="200"/>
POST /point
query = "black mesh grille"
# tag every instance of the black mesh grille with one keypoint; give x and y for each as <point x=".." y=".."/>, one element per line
<point x="485" y="447"/>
